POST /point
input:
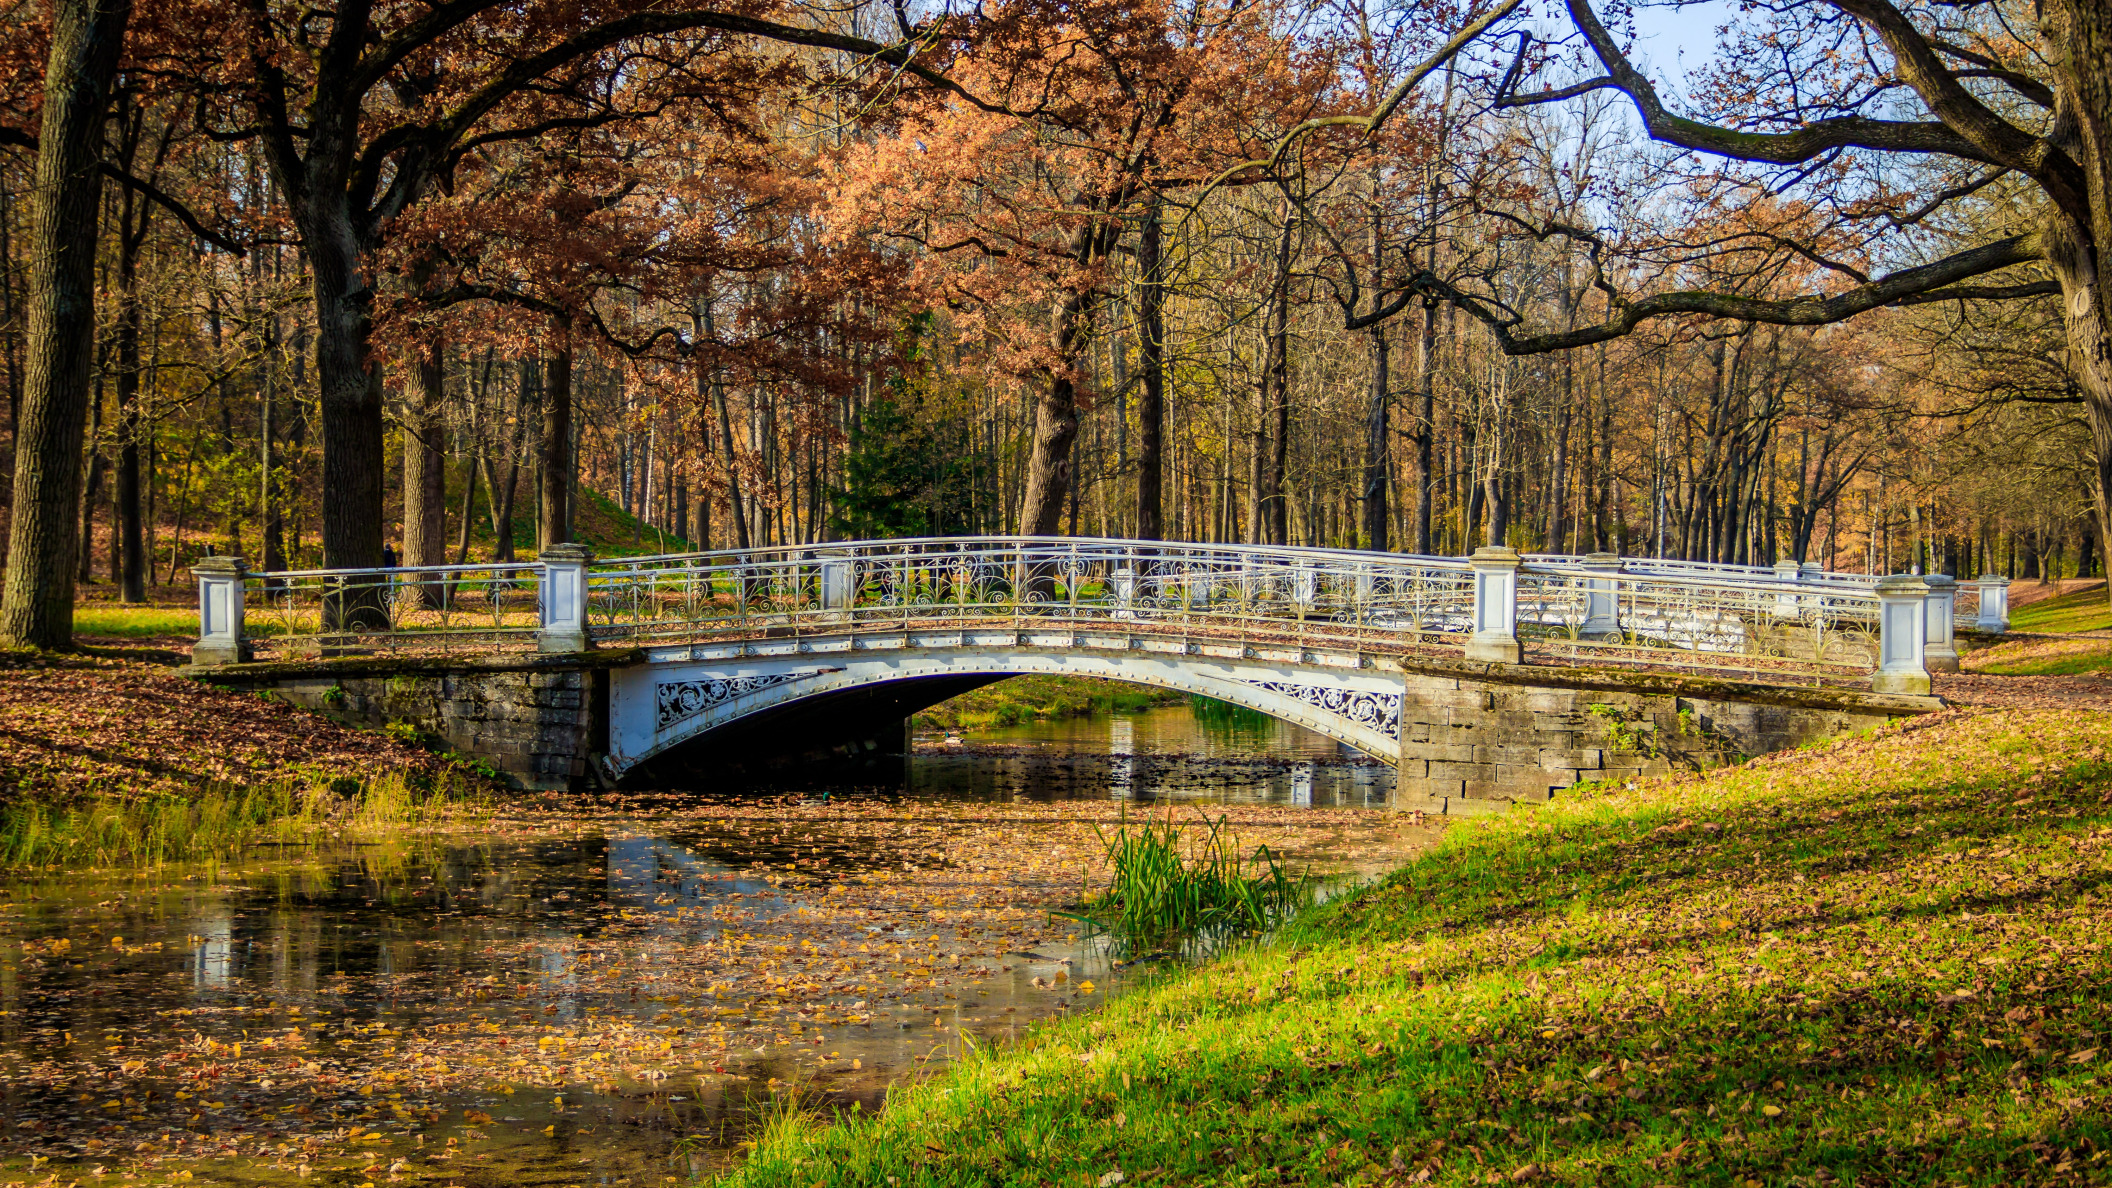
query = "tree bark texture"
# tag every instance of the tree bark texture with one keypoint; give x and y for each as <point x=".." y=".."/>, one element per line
<point x="1378" y="442"/>
<point x="2077" y="39"/>
<point x="348" y="379"/>
<point x="425" y="469"/>
<point x="1274" y="506"/>
<point x="1151" y="359"/>
<point x="37" y="609"/>
<point x="1055" y="424"/>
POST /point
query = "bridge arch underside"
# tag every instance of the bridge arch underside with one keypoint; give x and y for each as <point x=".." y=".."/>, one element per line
<point x="676" y="723"/>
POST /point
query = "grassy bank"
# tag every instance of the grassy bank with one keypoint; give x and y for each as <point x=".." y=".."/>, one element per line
<point x="117" y="830"/>
<point x="1882" y="962"/>
<point x="1038" y="699"/>
<point x="108" y="761"/>
<point x="2042" y="657"/>
<point x="2078" y="610"/>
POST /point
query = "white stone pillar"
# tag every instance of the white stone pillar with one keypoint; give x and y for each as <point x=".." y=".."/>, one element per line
<point x="1943" y="624"/>
<point x="1123" y="585"/>
<point x="564" y="625"/>
<point x="1495" y="638"/>
<point x="1602" y="598"/>
<point x="1902" y="635"/>
<point x="1786" y="571"/>
<point x="219" y="612"/>
<point x="1994" y="604"/>
<point x="839" y="587"/>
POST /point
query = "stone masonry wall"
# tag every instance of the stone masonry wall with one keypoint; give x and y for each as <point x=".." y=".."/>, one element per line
<point x="537" y="728"/>
<point x="1470" y="746"/>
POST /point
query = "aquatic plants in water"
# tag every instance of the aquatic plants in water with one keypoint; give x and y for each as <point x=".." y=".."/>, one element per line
<point x="1167" y="886"/>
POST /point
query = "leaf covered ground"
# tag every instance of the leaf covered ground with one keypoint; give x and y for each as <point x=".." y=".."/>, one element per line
<point x="78" y="726"/>
<point x="1878" y="963"/>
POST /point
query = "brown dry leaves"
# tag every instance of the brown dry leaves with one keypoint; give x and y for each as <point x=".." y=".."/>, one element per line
<point x="81" y="725"/>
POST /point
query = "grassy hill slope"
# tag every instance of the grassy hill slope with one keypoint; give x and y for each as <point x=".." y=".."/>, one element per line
<point x="1881" y="962"/>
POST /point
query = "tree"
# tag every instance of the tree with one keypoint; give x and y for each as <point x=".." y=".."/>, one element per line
<point x="1900" y="117"/>
<point x="364" y="123"/>
<point x="905" y="474"/>
<point x="86" y="39"/>
<point x="1016" y="204"/>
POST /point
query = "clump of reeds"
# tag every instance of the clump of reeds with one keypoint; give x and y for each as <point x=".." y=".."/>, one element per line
<point x="217" y="821"/>
<point x="1168" y="886"/>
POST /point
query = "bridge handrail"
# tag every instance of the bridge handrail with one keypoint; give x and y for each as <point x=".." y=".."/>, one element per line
<point x="283" y="575"/>
<point x="1496" y="604"/>
<point x="968" y="543"/>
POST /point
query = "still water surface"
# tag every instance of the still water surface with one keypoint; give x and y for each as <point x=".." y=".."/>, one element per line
<point x="591" y="999"/>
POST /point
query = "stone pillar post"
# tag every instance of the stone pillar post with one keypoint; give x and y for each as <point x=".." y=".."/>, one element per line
<point x="1943" y="624"/>
<point x="219" y="612"/>
<point x="1994" y="604"/>
<point x="1305" y="589"/>
<point x="1903" y="635"/>
<point x="1495" y="638"/>
<point x="839" y="587"/>
<point x="1602" y="599"/>
<point x="564" y="625"/>
<point x="1123" y="586"/>
<point x="1786" y="572"/>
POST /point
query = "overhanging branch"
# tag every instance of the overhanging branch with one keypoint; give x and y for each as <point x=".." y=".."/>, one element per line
<point x="1937" y="281"/>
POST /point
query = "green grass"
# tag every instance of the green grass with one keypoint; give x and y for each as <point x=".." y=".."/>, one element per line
<point x="134" y="622"/>
<point x="2079" y="610"/>
<point x="1881" y="963"/>
<point x="122" y="831"/>
<point x="1168" y="886"/>
<point x="2075" y="663"/>
<point x="1040" y="698"/>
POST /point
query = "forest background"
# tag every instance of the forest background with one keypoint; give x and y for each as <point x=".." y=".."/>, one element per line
<point x="449" y="281"/>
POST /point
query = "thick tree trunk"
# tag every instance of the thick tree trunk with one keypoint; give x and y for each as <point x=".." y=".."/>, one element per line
<point x="425" y="469"/>
<point x="1055" y="425"/>
<point x="1276" y="383"/>
<point x="554" y="455"/>
<point x="348" y="379"/>
<point x="1151" y="358"/>
<point x="37" y="609"/>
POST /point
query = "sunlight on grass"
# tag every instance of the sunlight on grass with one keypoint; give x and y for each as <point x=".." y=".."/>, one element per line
<point x="2079" y="610"/>
<point x="2042" y="657"/>
<point x="1880" y="962"/>
<point x="135" y="622"/>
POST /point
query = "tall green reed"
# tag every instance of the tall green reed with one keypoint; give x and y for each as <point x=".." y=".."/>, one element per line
<point x="1167" y="886"/>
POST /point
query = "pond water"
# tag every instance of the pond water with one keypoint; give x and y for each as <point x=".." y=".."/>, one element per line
<point x="603" y="990"/>
<point x="1210" y="754"/>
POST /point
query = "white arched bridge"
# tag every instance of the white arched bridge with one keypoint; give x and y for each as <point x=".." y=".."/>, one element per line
<point x="1429" y="663"/>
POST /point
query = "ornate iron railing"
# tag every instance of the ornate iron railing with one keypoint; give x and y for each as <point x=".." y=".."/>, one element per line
<point x="1761" y="623"/>
<point x="1229" y="591"/>
<point x="310" y="612"/>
